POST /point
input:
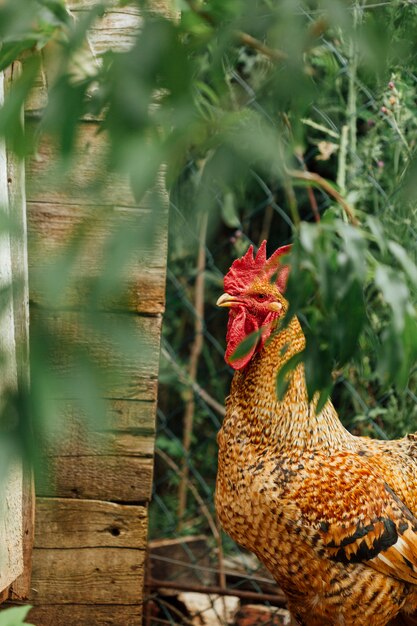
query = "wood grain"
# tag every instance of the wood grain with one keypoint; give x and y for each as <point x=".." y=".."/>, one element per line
<point x="102" y="271"/>
<point x="11" y="494"/>
<point x="16" y="185"/>
<point x="87" y="576"/>
<point x="122" y="416"/>
<point x="116" y="30"/>
<point x="122" y="349"/>
<point x="11" y="525"/>
<point x="67" y="523"/>
<point x="113" y="478"/>
<point x="79" y="442"/>
<point x="88" y="563"/>
<point x="87" y="182"/>
<point x="86" y="615"/>
<point x="161" y="6"/>
<point x="20" y="588"/>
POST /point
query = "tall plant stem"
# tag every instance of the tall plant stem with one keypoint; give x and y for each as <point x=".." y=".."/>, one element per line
<point x="352" y="113"/>
<point x="195" y="352"/>
<point x="318" y="181"/>
<point x="341" y="168"/>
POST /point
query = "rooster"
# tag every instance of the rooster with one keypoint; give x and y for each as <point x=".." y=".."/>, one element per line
<point x="331" y="515"/>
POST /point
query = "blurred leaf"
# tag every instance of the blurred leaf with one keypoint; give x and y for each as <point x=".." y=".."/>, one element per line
<point x="284" y="374"/>
<point x="14" y="616"/>
<point x="246" y="345"/>
<point x="229" y="212"/>
<point x="407" y="264"/>
<point x="395" y="293"/>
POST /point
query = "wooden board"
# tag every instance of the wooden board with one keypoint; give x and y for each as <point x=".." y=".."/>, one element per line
<point x="86" y="615"/>
<point x="11" y="486"/>
<point x="124" y="347"/>
<point x="132" y="277"/>
<point x="17" y="207"/>
<point x="119" y="416"/>
<point x="116" y="30"/>
<point x="126" y="428"/>
<point x="161" y="6"/>
<point x="77" y="441"/>
<point x="20" y="588"/>
<point x="11" y="525"/>
<point x="113" y="478"/>
<point x="67" y="523"/>
<point x="87" y="183"/>
<point x="112" y="462"/>
<point x="87" y="552"/>
<point x="87" y="576"/>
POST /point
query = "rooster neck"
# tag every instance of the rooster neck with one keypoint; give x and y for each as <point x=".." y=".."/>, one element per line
<point x="291" y="421"/>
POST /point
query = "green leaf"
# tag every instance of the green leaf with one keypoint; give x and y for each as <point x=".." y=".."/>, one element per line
<point x="404" y="260"/>
<point x="15" y="616"/>
<point x="10" y="51"/>
<point x="58" y="9"/>
<point x="283" y="375"/>
<point x="395" y="292"/>
<point x="322" y="399"/>
<point x="229" y="211"/>
<point x="377" y="231"/>
<point x="246" y="345"/>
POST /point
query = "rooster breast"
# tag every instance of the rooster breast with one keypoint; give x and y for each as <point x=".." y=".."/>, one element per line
<point x="299" y="513"/>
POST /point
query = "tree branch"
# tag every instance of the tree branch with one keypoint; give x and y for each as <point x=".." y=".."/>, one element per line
<point x="316" y="179"/>
<point x="199" y="391"/>
<point x="195" y="352"/>
<point x="274" y="54"/>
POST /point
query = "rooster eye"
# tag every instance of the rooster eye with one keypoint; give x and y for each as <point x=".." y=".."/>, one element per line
<point x="260" y="296"/>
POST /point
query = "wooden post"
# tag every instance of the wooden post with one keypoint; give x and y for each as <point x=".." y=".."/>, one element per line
<point x="11" y="486"/>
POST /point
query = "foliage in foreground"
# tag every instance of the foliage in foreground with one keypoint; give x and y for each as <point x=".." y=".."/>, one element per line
<point x="15" y="616"/>
<point x="294" y="121"/>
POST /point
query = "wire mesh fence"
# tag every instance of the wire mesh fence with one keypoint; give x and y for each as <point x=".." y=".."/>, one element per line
<point x="196" y="574"/>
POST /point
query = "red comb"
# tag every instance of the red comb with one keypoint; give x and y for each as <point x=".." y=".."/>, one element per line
<point x="248" y="268"/>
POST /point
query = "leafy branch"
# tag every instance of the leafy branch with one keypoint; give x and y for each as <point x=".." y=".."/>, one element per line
<point x="274" y="54"/>
<point x="319" y="181"/>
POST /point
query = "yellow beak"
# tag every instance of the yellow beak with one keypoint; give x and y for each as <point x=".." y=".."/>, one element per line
<point x="227" y="300"/>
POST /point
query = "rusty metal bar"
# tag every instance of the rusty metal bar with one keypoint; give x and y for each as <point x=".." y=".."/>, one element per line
<point x="278" y="599"/>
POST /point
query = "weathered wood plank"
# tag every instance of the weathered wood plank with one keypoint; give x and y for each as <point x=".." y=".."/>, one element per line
<point x="116" y="30"/>
<point x="16" y="187"/>
<point x="11" y="525"/>
<point x="126" y="429"/>
<point x="86" y="615"/>
<point x="79" y="442"/>
<point x="19" y="260"/>
<point x="122" y="416"/>
<point x="87" y="576"/>
<point x="114" y="478"/>
<point x="38" y="96"/>
<point x="161" y="6"/>
<point x="11" y="487"/>
<point x="20" y="588"/>
<point x="88" y="182"/>
<point x="132" y="277"/>
<point x="124" y="348"/>
<point x="67" y="523"/>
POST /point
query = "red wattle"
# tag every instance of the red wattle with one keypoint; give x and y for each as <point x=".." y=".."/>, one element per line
<point x="240" y="325"/>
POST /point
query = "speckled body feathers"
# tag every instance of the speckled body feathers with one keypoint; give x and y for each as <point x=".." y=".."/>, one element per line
<point x="331" y="515"/>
